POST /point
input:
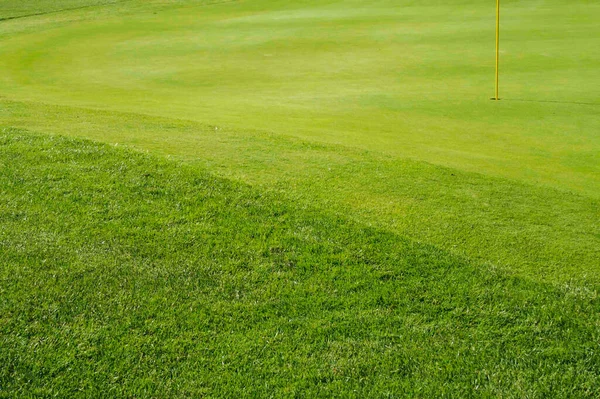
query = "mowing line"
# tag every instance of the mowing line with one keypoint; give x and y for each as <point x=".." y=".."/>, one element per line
<point x="63" y="10"/>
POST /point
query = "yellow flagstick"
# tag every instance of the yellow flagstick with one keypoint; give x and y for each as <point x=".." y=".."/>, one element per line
<point x="497" y="97"/>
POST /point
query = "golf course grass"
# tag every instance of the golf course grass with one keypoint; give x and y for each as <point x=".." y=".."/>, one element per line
<point x="316" y="198"/>
<point x="131" y="276"/>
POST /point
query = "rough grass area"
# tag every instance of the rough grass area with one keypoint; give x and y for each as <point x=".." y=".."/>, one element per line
<point x="128" y="275"/>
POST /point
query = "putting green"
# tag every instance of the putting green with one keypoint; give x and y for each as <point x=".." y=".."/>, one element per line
<point x="412" y="79"/>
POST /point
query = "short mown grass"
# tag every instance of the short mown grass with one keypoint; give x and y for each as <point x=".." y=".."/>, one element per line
<point x="127" y="275"/>
<point x="408" y="78"/>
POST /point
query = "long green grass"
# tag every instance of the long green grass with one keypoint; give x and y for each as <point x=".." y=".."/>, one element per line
<point x="125" y="275"/>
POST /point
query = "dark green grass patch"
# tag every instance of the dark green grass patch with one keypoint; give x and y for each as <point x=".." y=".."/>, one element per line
<point x="128" y="275"/>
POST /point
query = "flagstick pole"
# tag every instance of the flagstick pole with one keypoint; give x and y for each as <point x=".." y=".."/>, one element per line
<point x="497" y="97"/>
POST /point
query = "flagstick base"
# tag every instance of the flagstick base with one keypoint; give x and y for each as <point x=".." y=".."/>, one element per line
<point x="494" y="99"/>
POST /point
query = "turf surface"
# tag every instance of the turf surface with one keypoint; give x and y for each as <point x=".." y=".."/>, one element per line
<point x="409" y="78"/>
<point x="421" y="239"/>
<point x="130" y="276"/>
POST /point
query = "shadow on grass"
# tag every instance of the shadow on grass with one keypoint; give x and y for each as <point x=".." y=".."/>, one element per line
<point x="551" y="101"/>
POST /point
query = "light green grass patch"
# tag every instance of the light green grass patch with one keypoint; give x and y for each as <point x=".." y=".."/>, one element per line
<point x="412" y="79"/>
